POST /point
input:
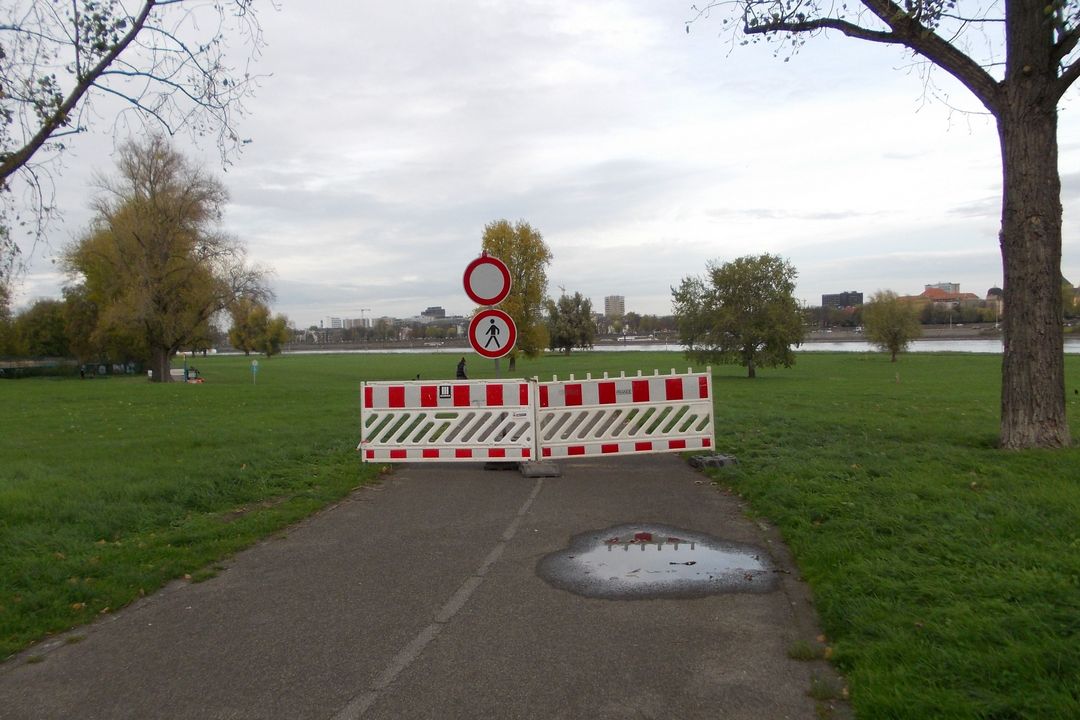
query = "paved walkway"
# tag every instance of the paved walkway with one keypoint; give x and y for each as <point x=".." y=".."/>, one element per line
<point x="419" y="599"/>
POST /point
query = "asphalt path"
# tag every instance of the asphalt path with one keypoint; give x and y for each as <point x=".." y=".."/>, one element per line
<point x="419" y="598"/>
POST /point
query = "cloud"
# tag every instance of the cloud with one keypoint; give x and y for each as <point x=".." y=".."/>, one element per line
<point x="988" y="207"/>
<point x="1070" y="186"/>
<point x="781" y="214"/>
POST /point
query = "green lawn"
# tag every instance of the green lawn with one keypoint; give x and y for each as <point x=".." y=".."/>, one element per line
<point x="946" y="572"/>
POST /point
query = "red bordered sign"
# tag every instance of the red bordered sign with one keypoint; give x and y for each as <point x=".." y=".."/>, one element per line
<point x="487" y="280"/>
<point x="492" y="333"/>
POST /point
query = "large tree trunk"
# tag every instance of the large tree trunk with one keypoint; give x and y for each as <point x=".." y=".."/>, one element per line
<point x="160" y="365"/>
<point x="1033" y="365"/>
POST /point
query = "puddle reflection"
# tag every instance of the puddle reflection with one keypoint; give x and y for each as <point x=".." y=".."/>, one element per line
<point x="655" y="561"/>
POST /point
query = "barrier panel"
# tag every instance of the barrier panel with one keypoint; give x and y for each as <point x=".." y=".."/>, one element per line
<point x="625" y="415"/>
<point x="463" y="421"/>
<point x="516" y="420"/>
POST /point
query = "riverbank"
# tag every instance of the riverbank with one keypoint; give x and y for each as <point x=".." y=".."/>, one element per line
<point x="983" y="331"/>
<point x="666" y="340"/>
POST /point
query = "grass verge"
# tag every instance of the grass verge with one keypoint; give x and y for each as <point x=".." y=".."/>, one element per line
<point x="110" y="488"/>
<point x="946" y="571"/>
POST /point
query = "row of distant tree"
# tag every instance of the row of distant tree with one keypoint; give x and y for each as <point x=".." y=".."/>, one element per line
<point x="927" y="313"/>
<point x="745" y="312"/>
<point x="937" y="313"/>
<point x="151" y="274"/>
<point x="556" y="311"/>
<point x="742" y="312"/>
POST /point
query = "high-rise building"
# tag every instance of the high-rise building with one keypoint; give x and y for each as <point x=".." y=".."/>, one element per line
<point x="851" y="298"/>
<point x="614" y="306"/>
<point x="953" y="288"/>
<point x="433" y="313"/>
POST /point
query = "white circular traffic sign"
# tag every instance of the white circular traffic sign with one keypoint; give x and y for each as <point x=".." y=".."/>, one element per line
<point x="492" y="333"/>
<point x="487" y="280"/>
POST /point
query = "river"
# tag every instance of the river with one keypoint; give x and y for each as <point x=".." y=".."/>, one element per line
<point x="986" y="346"/>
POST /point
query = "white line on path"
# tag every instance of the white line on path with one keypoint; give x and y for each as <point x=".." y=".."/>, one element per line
<point x="360" y="704"/>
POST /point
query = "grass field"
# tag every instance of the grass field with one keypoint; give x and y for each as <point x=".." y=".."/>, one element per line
<point x="946" y="572"/>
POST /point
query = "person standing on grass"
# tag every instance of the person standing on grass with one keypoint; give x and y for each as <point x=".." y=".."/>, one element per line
<point x="461" y="370"/>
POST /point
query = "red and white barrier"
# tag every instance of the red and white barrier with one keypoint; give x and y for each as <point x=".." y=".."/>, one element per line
<point x="625" y="415"/>
<point x="459" y="421"/>
<point x="625" y="390"/>
<point x="447" y="454"/>
<point x="516" y="420"/>
<point x="417" y="395"/>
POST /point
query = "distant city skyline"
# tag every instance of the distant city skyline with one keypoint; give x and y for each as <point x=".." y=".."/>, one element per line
<point x="600" y="301"/>
<point x="610" y="302"/>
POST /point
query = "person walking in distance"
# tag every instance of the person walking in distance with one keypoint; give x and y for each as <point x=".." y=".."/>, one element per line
<point x="461" y="370"/>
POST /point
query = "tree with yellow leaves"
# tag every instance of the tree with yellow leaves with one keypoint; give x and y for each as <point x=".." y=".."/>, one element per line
<point x="527" y="256"/>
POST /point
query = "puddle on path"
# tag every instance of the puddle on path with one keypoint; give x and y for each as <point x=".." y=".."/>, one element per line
<point x="647" y="560"/>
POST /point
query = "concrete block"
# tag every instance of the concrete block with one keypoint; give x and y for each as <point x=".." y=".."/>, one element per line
<point x="712" y="461"/>
<point x="537" y="469"/>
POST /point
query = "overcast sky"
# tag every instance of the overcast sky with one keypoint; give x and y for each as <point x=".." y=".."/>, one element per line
<point x="385" y="136"/>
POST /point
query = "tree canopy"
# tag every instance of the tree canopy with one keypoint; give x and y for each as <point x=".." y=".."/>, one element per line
<point x="1018" y="58"/>
<point x="890" y="322"/>
<point x="742" y="311"/>
<point x="570" y="323"/>
<point x="527" y="256"/>
<point x="254" y="329"/>
<point x="154" y="262"/>
<point x="5" y="319"/>
<point x="249" y="320"/>
<point x="162" y="62"/>
<point x="39" y="331"/>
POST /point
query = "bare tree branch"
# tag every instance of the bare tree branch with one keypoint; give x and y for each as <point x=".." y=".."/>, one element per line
<point x="848" y="28"/>
<point x="924" y="41"/>
<point x="1067" y="77"/>
<point x="13" y="161"/>
<point x="166" y="60"/>
<point x="136" y="103"/>
<point x="1066" y="44"/>
<point x="766" y="18"/>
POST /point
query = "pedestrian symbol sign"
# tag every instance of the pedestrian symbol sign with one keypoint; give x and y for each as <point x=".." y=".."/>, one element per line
<point x="492" y="333"/>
